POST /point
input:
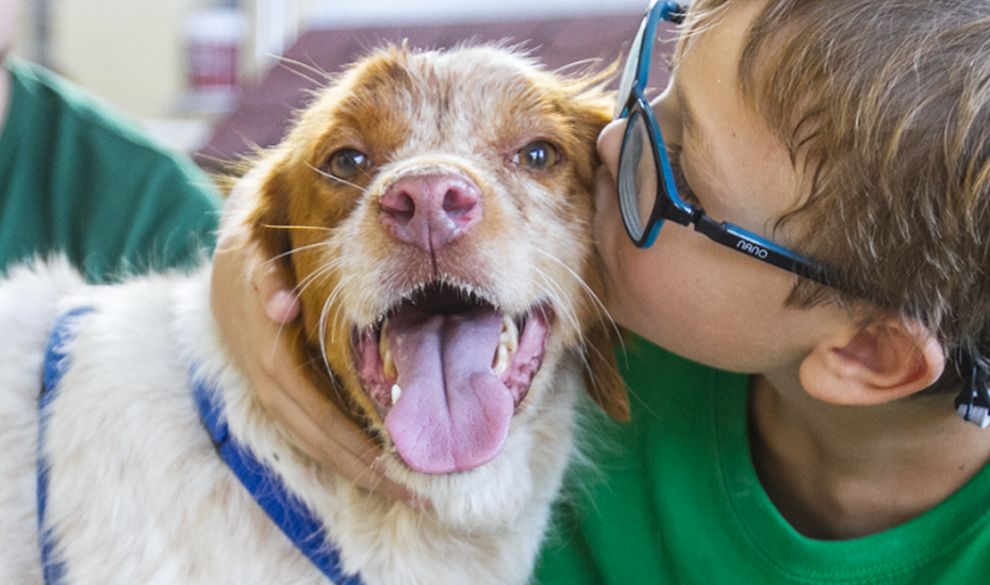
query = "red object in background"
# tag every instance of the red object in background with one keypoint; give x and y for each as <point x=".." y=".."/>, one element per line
<point x="213" y="43"/>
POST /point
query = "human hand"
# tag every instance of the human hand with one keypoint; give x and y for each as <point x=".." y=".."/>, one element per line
<point x="250" y="300"/>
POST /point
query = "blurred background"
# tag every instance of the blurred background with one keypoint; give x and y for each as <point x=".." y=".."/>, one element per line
<point x="215" y="77"/>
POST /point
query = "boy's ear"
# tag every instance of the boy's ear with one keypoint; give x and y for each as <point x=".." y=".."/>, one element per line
<point x="873" y="364"/>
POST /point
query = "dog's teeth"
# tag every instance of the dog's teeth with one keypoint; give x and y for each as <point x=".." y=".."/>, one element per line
<point x="383" y="338"/>
<point x="510" y="334"/>
<point x="396" y="392"/>
<point x="501" y="360"/>
<point x="388" y="365"/>
<point x="508" y="343"/>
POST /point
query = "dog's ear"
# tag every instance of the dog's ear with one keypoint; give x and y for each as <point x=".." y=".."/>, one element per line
<point x="591" y="111"/>
<point x="602" y="377"/>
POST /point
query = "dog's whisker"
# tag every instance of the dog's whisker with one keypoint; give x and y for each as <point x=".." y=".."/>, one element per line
<point x="322" y="273"/>
<point x="296" y="227"/>
<point x="323" y="341"/>
<point x="324" y="319"/>
<point x="583" y="345"/>
<point x="288" y="64"/>
<point x="301" y="286"/>
<point x="317" y="276"/>
<point x="323" y="337"/>
<point x="332" y="300"/>
<point x="599" y="305"/>
<point x="336" y="317"/>
<point x="586" y="365"/>
<point x="605" y="317"/>
<point x="558" y="299"/>
<point x="296" y="249"/>
<point x="327" y="175"/>
<point x="560" y="295"/>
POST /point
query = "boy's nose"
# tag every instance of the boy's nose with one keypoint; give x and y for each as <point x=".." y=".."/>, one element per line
<point x="431" y="211"/>
<point x="610" y="143"/>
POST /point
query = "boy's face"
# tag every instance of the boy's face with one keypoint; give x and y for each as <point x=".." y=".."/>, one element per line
<point x="687" y="293"/>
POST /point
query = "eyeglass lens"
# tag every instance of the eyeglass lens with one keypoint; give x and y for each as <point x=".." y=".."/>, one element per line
<point x="637" y="177"/>
<point x="629" y="71"/>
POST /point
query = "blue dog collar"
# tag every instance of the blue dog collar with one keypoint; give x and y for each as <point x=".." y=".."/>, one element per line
<point x="297" y="521"/>
<point x="56" y="363"/>
<point x="292" y="516"/>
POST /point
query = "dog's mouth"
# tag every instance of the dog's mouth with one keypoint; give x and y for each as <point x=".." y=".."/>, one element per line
<point x="446" y="370"/>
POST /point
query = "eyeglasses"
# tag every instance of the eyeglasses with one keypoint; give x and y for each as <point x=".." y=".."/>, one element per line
<point x="647" y="192"/>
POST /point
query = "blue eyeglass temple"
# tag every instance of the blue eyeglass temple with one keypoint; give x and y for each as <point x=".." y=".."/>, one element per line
<point x="672" y="12"/>
<point x="632" y="88"/>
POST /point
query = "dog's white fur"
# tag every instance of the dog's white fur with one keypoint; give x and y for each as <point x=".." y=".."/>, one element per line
<point x="138" y="493"/>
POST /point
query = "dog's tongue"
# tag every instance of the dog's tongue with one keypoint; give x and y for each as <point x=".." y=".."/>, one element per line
<point x="454" y="412"/>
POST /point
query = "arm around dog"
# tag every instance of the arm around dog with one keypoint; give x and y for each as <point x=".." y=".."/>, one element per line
<point x="250" y="302"/>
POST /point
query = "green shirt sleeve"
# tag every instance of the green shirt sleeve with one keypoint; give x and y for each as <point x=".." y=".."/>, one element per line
<point x="77" y="178"/>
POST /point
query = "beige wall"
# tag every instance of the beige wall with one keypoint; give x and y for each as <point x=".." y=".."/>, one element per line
<point x="132" y="52"/>
<point x="129" y="51"/>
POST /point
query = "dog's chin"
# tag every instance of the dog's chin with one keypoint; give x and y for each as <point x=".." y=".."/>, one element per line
<point x="496" y="495"/>
<point x="446" y="370"/>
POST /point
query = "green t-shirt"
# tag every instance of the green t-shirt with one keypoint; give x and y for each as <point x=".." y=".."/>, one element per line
<point x="77" y="178"/>
<point x="678" y="501"/>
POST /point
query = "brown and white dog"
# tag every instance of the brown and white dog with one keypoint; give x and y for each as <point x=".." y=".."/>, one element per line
<point x="434" y="210"/>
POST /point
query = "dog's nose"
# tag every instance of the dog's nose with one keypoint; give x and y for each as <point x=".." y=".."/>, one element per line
<point x="431" y="211"/>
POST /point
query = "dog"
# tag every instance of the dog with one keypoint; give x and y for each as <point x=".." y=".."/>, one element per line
<point x="433" y="210"/>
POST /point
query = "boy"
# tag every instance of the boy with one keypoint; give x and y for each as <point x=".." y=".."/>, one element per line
<point x="858" y="134"/>
<point x="850" y="140"/>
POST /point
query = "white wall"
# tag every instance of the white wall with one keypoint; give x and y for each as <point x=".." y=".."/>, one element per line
<point x="132" y="52"/>
<point x="348" y="13"/>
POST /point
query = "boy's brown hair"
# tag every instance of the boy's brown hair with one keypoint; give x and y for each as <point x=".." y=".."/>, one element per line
<point x="886" y="103"/>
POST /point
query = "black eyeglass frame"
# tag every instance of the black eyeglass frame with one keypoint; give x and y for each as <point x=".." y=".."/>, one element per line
<point x="668" y="204"/>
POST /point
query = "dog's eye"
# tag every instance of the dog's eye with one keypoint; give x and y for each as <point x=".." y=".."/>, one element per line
<point x="539" y="155"/>
<point x="347" y="163"/>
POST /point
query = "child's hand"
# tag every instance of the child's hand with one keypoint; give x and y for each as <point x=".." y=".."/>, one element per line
<point x="250" y="300"/>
